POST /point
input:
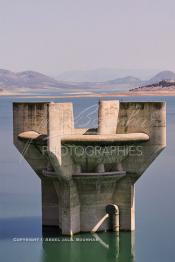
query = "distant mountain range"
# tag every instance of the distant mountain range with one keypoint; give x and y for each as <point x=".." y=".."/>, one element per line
<point x="28" y="79"/>
<point x="33" y="81"/>
<point x="104" y="74"/>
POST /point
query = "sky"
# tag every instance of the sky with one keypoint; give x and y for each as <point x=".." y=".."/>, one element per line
<point x="53" y="36"/>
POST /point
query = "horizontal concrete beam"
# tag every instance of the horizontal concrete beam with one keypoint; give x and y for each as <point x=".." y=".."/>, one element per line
<point x="106" y="138"/>
<point x="116" y="173"/>
<point x="91" y="138"/>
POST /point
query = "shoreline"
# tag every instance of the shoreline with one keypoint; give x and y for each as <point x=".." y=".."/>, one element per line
<point x="115" y="94"/>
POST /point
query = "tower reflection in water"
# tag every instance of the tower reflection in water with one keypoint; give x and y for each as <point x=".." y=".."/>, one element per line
<point x="90" y="247"/>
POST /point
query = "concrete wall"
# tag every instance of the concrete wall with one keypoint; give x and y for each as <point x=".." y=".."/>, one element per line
<point x="30" y="116"/>
<point x="50" y="203"/>
<point x="149" y="118"/>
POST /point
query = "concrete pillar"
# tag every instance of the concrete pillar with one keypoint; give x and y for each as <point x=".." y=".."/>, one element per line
<point x="95" y="194"/>
<point x="69" y="207"/>
<point x="50" y="203"/>
<point x="108" y="117"/>
<point x="78" y="169"/>
<point x="60" y="123"/>
<point x="100" y="168"/>
<point x="107" y="121"/>
<point x="124" y="197"/>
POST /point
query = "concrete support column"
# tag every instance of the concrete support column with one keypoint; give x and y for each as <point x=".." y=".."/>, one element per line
<point x="50" y="204"/>
<point x="95" y="194"/>
<point x="69" y="207"/>
<point x="119" y="167"/>
<point x="108" y="117"/>
<point x="78" y="169"/>
<point x="124" y="197"/>
<point x="107" y="122"/>
<point x="60" y="123"/>
<point x="100" y="168"/>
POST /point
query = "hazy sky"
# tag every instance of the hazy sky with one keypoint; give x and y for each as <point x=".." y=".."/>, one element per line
<point x="53" y="36"/>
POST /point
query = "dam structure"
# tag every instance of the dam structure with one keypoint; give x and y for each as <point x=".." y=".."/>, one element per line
<point x="88" y="174"/>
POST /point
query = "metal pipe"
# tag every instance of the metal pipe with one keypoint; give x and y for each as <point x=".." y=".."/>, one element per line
<point x="113" y="212"/>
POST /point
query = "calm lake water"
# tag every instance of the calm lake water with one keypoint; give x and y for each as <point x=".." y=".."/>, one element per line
<point x="20" y="203"/>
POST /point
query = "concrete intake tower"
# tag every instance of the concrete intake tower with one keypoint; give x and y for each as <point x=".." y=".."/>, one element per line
<point x="88" y="175"/>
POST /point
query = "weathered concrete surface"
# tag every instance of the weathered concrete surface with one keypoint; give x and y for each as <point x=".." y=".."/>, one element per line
<point x="83" y="170"/>
<point x="86" y="138"/>
<point x="108" y="117"/>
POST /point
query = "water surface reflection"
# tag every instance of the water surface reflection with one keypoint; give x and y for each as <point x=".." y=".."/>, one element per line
<point x="91" y="247"/>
